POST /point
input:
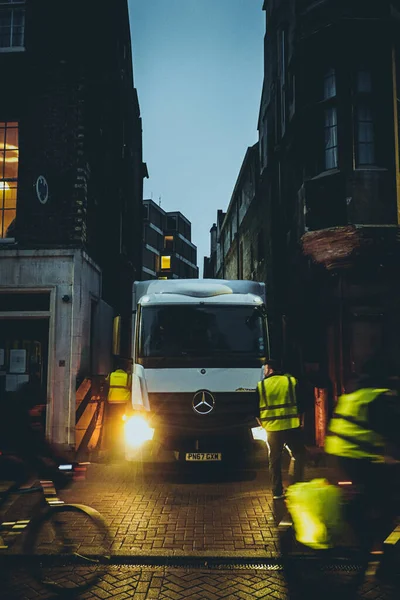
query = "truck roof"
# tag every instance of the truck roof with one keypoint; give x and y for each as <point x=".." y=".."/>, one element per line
<point x="190" y="290"/>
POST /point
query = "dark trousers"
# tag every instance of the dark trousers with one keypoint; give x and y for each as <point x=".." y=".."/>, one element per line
<point x="371" y="511"/>
<point x="293" y="438"/>
<point x="114" y="427"/>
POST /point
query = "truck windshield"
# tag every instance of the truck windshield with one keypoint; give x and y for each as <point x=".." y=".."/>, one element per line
<point x="174" y="331"/>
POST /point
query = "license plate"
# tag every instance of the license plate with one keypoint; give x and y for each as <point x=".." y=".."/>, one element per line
<point x="202" y="456"/>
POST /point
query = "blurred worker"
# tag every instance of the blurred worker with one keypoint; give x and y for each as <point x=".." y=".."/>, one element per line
<point x="24" y="450"/>
<point x="363" y="442"/>
<point x="279" y="415"/>
<point x="118" y="401"/>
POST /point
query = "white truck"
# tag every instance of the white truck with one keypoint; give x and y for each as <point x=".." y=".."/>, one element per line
<point x="198" y="349"/>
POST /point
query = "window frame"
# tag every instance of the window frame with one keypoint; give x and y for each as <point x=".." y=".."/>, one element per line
<point x="6" y="181"/>
<point x="329" y="103"/>
<point x="363" y="101"/>
<point x="10" y="8"/>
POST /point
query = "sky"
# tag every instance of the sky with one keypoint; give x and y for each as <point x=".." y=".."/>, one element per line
<point x="198" y="71"/>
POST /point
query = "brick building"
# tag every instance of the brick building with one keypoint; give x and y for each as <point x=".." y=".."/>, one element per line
<point x="332" y="180"/>
<point x="329" y="183"/>
<point x="71" y="184"/>
<point x="238" y="240"/>
<point x="167" y="247"/>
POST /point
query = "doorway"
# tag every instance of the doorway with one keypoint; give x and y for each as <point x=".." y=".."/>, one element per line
<point x="24" y="357"/>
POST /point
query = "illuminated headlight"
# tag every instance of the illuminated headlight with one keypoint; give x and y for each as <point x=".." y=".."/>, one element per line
<point x="137" y="431"/>
<point x="259" y="433"/>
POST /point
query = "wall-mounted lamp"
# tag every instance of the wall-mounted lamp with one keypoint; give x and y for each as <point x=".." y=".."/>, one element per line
<point x="66" y="298"/>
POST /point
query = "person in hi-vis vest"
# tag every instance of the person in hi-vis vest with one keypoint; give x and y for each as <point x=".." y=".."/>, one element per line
<point x="119" y="390"/>
<point x="363" y="448"/>
<point x="279" y="415"/>
<point x="118" y="401"/>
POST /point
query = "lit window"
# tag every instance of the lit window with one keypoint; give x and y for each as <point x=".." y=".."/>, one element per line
<point x="169" y="242"/>
<point x="8" y="177"/>
<point x="12" y="24"/>
<point x="165" y="262"/>
<point x="331" y="141"/>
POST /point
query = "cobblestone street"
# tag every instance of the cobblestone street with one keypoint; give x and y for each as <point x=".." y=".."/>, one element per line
<point x="199" y="534"/>
<point x="165" y="511"/>
<point x="169" y="583"/>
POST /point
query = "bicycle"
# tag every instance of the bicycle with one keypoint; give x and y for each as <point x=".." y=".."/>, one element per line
<point x="68" y="545"/>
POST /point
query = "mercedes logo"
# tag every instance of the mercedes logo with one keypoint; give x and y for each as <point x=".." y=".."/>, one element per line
<point x="203" y="402"/>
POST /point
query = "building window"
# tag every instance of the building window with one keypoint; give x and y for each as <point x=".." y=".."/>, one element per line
<point x="12" y="24"/>
<point x="8" y="177"/>
<point x="329" y="84"/>
<point x="364" y="124"/>
<point x="364" y="82"/>
<point x="330" y="120"/>
<point x="165" y="263"/>
<point x="169" y="242"/>
<point x="331" y="139"/>
<point x="171" y="222"/>
<point x="365" y="136"/>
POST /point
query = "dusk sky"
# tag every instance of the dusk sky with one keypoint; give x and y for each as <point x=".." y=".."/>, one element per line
<point x="198" y="69"/>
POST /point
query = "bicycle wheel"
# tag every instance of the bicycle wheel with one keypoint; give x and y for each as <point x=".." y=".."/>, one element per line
<point x="69" y="546"/>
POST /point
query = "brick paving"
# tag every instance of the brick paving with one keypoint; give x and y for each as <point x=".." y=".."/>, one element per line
<point x="166" y="583"/>
<point x="166" y="514"/>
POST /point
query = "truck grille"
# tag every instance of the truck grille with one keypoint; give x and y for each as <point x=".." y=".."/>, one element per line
<point x="175" y="412"/>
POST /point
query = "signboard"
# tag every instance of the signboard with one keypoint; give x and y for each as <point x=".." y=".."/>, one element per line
<point x="17" y="361"/>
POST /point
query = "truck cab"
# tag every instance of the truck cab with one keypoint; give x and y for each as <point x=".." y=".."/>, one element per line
<point x="198" y="351"/>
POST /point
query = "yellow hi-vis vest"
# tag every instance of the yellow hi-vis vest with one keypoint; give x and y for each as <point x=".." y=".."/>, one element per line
<point x="278" y="405"/>
<point x="348" y="433"/>
<point x="119" y="390"/>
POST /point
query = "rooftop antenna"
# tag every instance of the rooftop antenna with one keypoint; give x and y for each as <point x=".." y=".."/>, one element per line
<point x="159" y="200"/>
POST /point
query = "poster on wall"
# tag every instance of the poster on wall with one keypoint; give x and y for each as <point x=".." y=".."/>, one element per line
<point x="17" y="361"/>
<point x="11" y="383"/>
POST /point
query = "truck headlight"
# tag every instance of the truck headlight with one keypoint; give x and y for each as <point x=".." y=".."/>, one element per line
<point x="137" y="431"/>
<point x="259" y="433"/>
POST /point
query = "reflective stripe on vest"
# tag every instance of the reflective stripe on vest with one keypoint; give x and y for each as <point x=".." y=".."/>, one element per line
<point x="348" y="433"/>
<point x="119" y="387"/>
<point x="278" y="405"/>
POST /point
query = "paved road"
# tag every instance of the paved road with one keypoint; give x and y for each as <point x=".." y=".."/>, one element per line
<point x="206" y="533"/>
<point x="166" y="511"/>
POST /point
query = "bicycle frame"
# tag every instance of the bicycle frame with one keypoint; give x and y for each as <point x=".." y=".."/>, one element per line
<point x="9" y="529"/>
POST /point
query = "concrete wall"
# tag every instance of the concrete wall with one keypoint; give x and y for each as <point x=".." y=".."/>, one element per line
<point x="65" y="273"/>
